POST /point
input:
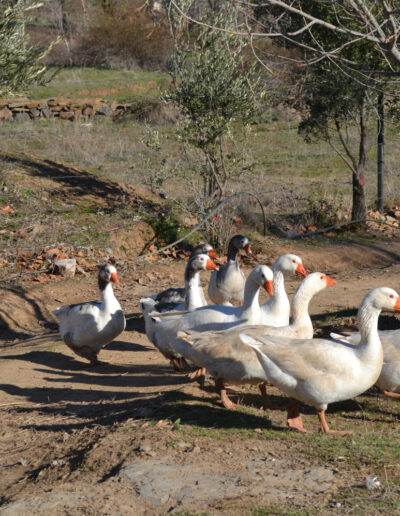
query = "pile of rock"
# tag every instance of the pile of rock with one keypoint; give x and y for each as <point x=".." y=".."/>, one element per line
<point x="63" y="108"/>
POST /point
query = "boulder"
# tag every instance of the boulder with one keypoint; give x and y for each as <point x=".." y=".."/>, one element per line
<point x="66" y="267"/>
<point x="6" y="114"/>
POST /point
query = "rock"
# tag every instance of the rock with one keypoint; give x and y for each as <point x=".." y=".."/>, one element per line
<point x="104" y="110"/>
<point x="158" y="481"/>
<point x="21" y="117"/>
<point x="6" y="114"/>
<point x="87" y="111"/>
<point x="35" y="113"/>
<point x="183" y="446"/>
<point x="67" y="115"/>
<point x="47" y="112"/>
<point x="80" y="270"/>
<point x="144" y="448"/>
<point x="66" y="267"/>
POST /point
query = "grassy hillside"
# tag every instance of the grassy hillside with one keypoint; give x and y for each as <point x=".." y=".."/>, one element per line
<point x="294" y="180"/>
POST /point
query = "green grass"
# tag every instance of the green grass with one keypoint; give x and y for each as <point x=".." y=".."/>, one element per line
<point x="281" y="510"/>
<point x="120" y="85"/>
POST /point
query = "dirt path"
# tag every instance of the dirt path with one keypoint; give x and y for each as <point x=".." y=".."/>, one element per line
<point x="131" y="437"/>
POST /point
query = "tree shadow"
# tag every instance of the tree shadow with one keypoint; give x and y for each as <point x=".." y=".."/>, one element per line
<point x="76" y="181"/>
<point x="41" y="314"/>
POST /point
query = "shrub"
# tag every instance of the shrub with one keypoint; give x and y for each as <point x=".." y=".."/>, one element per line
<point x="324" y="211"/>
<point x="125" y="35"/>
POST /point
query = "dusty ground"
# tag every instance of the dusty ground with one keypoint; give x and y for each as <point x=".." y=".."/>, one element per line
<point x="132" y="437"/>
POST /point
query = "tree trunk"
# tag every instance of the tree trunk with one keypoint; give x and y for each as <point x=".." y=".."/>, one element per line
<point x="65" y="29"/>
<point x="85" y="12"/>
<point x="359" y="210"/>
<point x="381" y="142"/>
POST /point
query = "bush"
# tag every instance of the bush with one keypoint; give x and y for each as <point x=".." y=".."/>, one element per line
<point x="323" y="211"/>
<point x="125" y="36"/>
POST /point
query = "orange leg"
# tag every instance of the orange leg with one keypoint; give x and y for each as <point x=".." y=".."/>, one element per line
<point x="324" y="428"/>
<point x="227" y="403"/>
<point x="196" y="374"/>
<point x="267" y="403"/>
<point x="199" y="375"/>
<point x="179" y="364"/>
<point x="294" y="421"/>
<point x="390" y="394"/>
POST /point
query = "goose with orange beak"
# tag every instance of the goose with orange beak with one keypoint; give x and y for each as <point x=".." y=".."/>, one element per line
<point x="193" y="299"/>
<point x="323" y="371"/>
<point x="86" y="327"/>
<point x="276" y="311"/>
<point x="213" y="317"/>
<point x="227" y="284"/>
<point x="228" y="360"/>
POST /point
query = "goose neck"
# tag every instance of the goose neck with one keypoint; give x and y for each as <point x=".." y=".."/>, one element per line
<point x="192" y="291"/>
<point x="106" y="295"/>
<point x="251" y="294"/>
<point x="300" y="304"/>
<point x="279" y="285"/>
<point x="232" y="253"/>
<point x="368" y="323"/>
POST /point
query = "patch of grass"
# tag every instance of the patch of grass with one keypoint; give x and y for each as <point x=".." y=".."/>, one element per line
<point x="120" y="85"/>
<point x="282" y="510"/>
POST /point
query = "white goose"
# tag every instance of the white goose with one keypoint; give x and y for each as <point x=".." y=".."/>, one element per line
<point x="228" y="360"/>
<point x="214" y="317"/>
<point x="276" y="311"/>
<point x="86" y="327"/>
<point x="389" y="379"/>
<point x="193" y="298"/>
<point x="228" y="283"/>
<point x="322" y="371"/>
<point x="301" y="325"/>
<point x="177" y="295"/>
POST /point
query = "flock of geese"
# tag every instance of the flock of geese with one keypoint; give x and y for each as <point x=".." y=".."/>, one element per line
<point x="256" y="344"/>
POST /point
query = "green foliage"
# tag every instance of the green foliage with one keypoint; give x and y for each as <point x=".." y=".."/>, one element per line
<point x="329" y="96"/>
<point x="322" y="210"/>
<point x="215" y="88"/>
<point x="19" y="63"/>
<point x="211" y="83"/>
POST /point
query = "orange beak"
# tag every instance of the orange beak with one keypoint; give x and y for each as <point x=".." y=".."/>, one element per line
<point x="212" y="254"/>
<point x="396" y="307"/>
<point x="329" y="281"/>
<point x="268" y="285"/>
<point x="210" y="265"/>
<point x="301" y="270"/>
<point x="247" y="248"/>
<point x="114" y="277"/>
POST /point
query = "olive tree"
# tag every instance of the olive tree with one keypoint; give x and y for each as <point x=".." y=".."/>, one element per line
<point x="215" y="89"/>
<point x="20" y="64"/>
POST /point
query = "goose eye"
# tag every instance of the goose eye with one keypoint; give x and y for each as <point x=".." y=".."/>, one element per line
<point x="392" y="296"/>
<point x="294" y="261"/>
<point x="322" y="277"/>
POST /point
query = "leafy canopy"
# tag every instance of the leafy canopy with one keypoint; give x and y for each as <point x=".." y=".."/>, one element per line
<point x="212" y="82"/>
<point x="19" y="63"/>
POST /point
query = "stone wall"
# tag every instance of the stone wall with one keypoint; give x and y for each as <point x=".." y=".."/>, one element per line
<point x="69" y="109"/>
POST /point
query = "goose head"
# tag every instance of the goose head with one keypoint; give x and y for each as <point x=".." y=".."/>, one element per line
<point x="316" y="282"/>
<point x="383" y="298"/>
<point x="204" y="249"/>
<point x="201" y="262"/>
<point x="240" y="242"/>
<point x="291" y="264"/>
<point x="263" y="277"/>
<point x="107" y="274"/>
